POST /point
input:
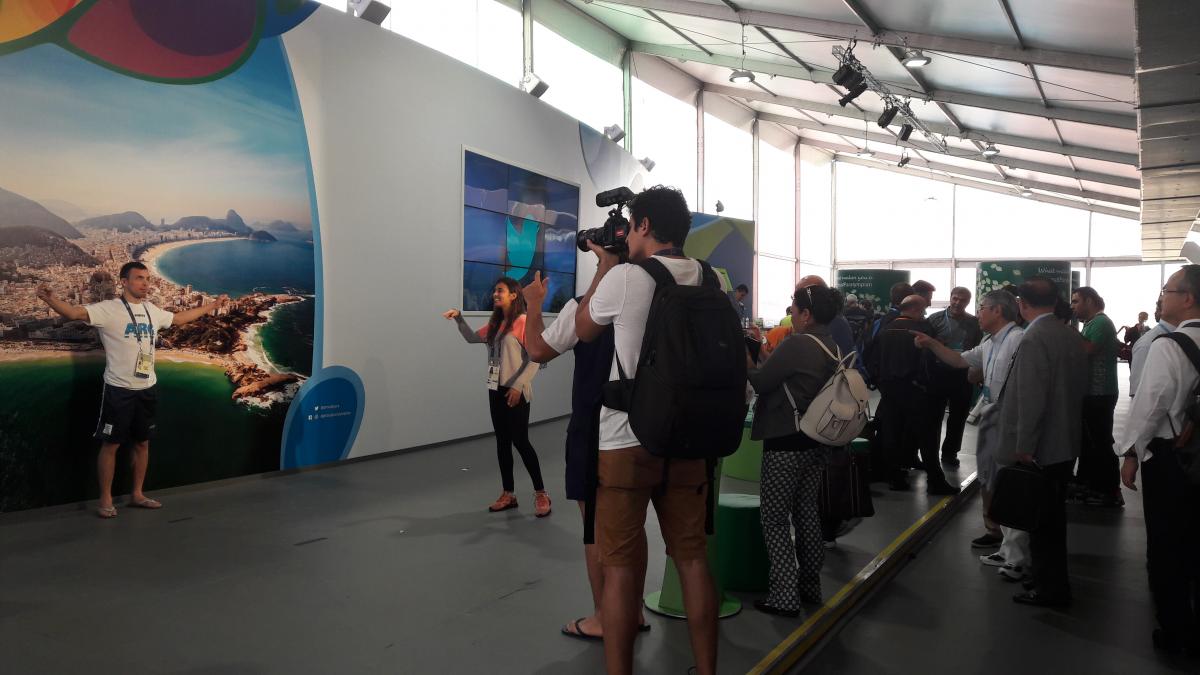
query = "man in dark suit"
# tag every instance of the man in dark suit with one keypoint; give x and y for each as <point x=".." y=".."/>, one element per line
<point x="1041" y="425"/>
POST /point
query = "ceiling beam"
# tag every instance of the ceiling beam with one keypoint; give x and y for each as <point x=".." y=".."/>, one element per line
<point x="1001" y="160"/>
<point x="937" y="95"/>
<point x="1126" y="158"/>
<point x="887" y="162"/>
<point x="849" y="31"/>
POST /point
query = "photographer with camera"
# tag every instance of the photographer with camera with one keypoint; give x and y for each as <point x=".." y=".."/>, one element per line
<point x="632" y="473"/>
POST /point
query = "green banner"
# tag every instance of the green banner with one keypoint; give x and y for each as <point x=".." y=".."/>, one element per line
<point x="994" y="275"/>
<point x="874" y="286"/>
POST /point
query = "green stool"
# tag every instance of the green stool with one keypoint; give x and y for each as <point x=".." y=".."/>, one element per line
<point x="741" y="557"/>
<point x="746" y="463"/>
<point x="669" y="600"/>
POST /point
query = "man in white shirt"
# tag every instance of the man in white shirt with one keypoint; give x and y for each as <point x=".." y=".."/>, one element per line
<point x="1137" y="358"/>
<point x="993" y="358"/>
<point x="629" y="476"/>
<point x="1171" y="504"/>
<point x="128" y="328"/>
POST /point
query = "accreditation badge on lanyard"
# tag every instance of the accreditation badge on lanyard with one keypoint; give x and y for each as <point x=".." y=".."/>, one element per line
<point x="493" y="376"/>
<point x="144" y="366"/>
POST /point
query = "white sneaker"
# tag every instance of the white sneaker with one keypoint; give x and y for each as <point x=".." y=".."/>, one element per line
<point x="1011" y="572"/>
<point x="993" y="560"/>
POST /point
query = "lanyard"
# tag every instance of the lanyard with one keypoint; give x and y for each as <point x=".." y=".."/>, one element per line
<point x="136" y="331"/>
<point x="669" y="251"/>
<point x="989" y="369"/>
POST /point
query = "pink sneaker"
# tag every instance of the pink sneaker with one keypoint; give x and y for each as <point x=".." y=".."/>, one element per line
<point x="506" y="501"/>
<point x="541" y="504"/>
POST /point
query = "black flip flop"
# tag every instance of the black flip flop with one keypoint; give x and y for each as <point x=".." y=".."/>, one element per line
<point x="579" y="634"/>
<point x="644" y="628"/>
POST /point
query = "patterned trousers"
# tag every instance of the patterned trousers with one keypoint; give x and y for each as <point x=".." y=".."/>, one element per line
<point x="791" y="483"/>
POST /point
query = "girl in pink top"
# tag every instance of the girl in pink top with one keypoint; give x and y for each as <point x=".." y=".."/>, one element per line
<point x="510" y="389"/>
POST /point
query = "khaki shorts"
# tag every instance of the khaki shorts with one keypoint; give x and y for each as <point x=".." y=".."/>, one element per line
<point x="632" y="478"/>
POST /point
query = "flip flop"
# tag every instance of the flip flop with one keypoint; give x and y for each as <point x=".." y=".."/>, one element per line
<point x="147" y="503"/>
<point x="106" y="512"/>
<point x="644" y="628"/>
<point x="578" y="633"/>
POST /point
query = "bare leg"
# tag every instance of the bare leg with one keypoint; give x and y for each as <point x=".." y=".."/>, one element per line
<point x="594" y="625"/>
<point x="619" y="614"/>
<point x="141" y="460"/>
<point x="106" y="464"/>
<point x="700" y="601"/>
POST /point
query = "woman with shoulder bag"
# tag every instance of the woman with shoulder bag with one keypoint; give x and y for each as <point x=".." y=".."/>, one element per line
<point x="510" y="385"/>
<point x="792" y="462"/>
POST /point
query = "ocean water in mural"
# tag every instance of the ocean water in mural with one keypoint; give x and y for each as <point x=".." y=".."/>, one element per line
<point x="208" y="184"/>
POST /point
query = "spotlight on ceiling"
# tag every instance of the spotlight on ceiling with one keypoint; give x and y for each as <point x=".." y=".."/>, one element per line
<point x="904" y="159"/>
<point x="889" y="114"/>
<point x="741" y="76"/>
<point x="865" y="153"/>
<point x="854" y="93"/>
<point x="370" y="10"/>
<point x="990" y="150"/>
<point x="915" y="58"/>
<point x="535" y="85"/>
<point x="905" y="131"/>
<point x="842" y="75"/>
<point x="720" y="206"/>
<point x="614" y="133"/>
<point x="1026" y="192"/>
<point x="648" y="163"/>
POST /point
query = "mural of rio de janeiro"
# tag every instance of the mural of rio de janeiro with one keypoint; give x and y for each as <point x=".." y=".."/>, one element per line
<point x="170" y="135"/>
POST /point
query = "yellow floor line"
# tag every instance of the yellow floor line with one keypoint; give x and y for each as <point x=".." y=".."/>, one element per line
<point x="802" y="639"/>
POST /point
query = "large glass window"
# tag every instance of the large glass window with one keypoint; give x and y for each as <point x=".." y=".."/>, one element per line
<point x="941" y="278"/>
<point x="776" y="283"/>
<point x="582" y="85"/>
<point x="888" y="216"/>
<point x="482" y="33"/>
<point x="776" y="200"/>
<point x="995" y="227"/>
<point x="1127" y="290"/>
<point x="664" y="129"/>
<point x="728" y="168"/>
<point x="816" y="206"/>
<point x="1113" y="236"/>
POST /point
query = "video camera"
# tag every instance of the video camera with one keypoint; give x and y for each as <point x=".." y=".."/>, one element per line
<point x="611" y="236"/>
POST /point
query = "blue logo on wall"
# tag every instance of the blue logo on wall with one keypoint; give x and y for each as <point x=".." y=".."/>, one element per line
<point x="323" y="420"/>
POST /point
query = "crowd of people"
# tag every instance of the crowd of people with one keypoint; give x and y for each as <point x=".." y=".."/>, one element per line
<point x="1043" y="392"/>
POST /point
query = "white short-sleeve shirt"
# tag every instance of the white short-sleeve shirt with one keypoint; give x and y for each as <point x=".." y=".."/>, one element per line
<point x="623" y="299"/>
<point x="560" y="335"/>
<point x="119" y="335"/>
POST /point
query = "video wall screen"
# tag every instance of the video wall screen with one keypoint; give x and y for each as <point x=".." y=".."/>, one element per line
<point x="515" y="223"/>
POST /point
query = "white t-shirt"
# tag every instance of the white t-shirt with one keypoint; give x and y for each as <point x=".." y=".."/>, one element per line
<point x="623" y="299"/>
<point x="119" y="334"/>
<point x="560" y="335"/>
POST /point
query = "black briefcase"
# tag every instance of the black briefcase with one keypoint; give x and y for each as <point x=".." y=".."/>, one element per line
<point x="845" y="490"/>
<point x="1017" y="497"/>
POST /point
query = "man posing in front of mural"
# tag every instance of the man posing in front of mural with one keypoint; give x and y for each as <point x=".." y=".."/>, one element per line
<point x="128" y="328"/>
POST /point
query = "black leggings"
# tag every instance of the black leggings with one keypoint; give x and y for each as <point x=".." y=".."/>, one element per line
<point x="512" y="428"/>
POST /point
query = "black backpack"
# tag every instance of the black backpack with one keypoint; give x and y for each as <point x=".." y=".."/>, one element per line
<point x="1187" y="439"/>
<point x="687" y="399"/>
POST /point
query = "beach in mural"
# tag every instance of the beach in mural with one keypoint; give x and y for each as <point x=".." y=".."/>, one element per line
<point x="208" y="185"/>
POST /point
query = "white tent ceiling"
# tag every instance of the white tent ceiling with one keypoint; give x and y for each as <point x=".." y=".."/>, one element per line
<point x="1050" y="82"/>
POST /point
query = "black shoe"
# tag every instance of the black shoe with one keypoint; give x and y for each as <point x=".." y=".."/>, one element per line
<point x="1039" y="598"/>
<point x="942" y="488"/>
<point x="762" y="606"/>
<point x="951" y="461"/>
<point x="988" y="540"/>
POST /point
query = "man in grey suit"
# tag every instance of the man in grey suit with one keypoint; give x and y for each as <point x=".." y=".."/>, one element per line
<point x="1041" y="425"/>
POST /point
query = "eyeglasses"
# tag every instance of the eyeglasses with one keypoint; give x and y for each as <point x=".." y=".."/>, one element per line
<point x="1166" y="290"/>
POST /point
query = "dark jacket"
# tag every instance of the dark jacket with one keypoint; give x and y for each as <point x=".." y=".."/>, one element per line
<point x="899" y="359"/>
<point x="804" y="367"/>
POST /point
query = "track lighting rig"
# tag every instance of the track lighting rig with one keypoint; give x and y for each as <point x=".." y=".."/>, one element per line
<point x="855" y="77"/>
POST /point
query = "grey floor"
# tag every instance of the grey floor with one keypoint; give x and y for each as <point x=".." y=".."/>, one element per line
<point x="946" y="613"/>
<point x="390" y="565"/>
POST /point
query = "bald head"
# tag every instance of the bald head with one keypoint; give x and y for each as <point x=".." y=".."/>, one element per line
<point x="811" y="280"/>
<point x="913" y="307"/>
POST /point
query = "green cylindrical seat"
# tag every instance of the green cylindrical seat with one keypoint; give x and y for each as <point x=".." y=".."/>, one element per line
<point x="746" y="463"/>
<point x="741" y="561"/>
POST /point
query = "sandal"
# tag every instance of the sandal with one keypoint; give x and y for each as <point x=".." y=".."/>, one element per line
<point x="106" y="512"/>
<point x="146" y="503"/>
<point x="578" y="633"/>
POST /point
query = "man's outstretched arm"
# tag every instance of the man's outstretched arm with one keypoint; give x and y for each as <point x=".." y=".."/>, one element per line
<point x="64" y="308"/>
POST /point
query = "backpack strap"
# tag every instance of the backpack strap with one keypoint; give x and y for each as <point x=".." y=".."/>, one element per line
<point x="841" y="360"/>
<point x="710" y="505"/>
<point x="591" y="480"/>
<point x="658" y="271"/>
<point x="1189" y="348"/>
<point x="707" y="276"/>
